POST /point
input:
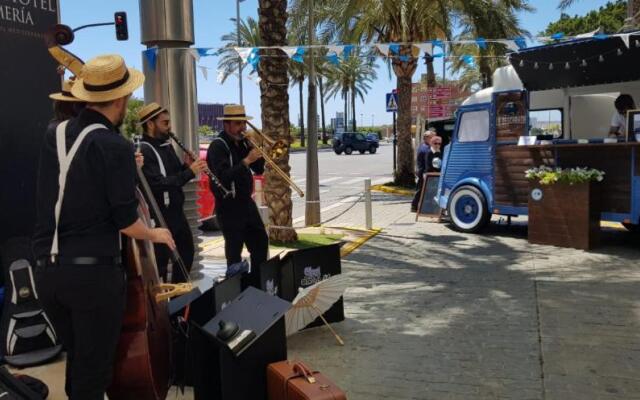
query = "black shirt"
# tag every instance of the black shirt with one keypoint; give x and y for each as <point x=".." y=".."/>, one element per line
<point x="99" y="197"/>
<point x="232" y="171"/>
<point x="178" y="174"/>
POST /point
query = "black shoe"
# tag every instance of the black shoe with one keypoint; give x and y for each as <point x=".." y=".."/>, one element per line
<point x="414" y="209"/>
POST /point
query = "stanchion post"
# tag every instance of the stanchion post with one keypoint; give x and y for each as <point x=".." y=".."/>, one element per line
<point x="367" y="203"/>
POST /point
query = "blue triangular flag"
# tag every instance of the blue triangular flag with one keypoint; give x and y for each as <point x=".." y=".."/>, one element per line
<point x="468" y="59"/>
<point x="557" y="36"/>
<point x="202" y="52"/>
<point x="481" y="42"/>
<point x="394" y="48"/>
<point x="333" y="59"/>
<point x="404" y="58"/>
<point x="346" y="53"/>
<point x="254" y="59"/>
<point x="437" y="43"/>
<point x="151" y="55"/>
<point x="299" y="56"/>
<point x="520" y="42"/>
<point x="601" y="36"/>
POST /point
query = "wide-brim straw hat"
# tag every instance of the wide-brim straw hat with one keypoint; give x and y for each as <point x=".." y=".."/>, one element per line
<point x="65" y="94"/>
<point x="106" y="78"/>
<point x="234" y="112"/>
<point x="149" y="112"/>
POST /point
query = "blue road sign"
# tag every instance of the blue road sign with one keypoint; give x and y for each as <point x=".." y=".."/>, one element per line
<point x="392" y="102"/>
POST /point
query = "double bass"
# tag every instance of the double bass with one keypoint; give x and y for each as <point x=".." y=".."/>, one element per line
<point x="142" y="366"/>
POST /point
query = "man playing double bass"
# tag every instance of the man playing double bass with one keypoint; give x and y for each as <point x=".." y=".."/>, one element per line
<point x="86" y="198"/>
<point x="166" y="175"/>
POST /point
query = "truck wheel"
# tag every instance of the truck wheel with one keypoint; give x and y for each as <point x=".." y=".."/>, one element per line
<point x="468" y="209"/>
<point x="635" y="228"/>
<point x="372" y="149"/>
<point x="338" y="152"/>
<point x="348" y="150"/>
<point x="362" y="151"/>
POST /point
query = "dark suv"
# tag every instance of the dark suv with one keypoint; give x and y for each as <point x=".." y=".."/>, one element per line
<point x="350" y="141"/>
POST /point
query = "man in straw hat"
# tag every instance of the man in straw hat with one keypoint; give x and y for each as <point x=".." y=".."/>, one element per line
<point x="86" y="198"/>
<point x="233" y="160"/>
<point x="166" y="175"/>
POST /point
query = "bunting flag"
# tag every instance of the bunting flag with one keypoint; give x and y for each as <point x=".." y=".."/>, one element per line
<point x="151" y="55"/>
<point x="394" y="49"/>
<point x="299" y="55"/>
<point x="625" y="39"/>
<point x="425" y="47"/>
<point x="557" y="36"/>
<point x="482" y="43"/>
<point x="383" y="48"/>
<point x="196" y="54"/>
<point x="333" y="59"/>
<point x="290" y="51"/>
<point x="468" y="59"/>
<point x="346" y="51"/>
<point x="205" y="73"/>
<point x="220" y="76"/>
<point x="521" y="43"/>
<point x="244" y="53"/>
<point x="254" y="59"/>
<point x="336" y="49"/>
<point x="511" y="45"/>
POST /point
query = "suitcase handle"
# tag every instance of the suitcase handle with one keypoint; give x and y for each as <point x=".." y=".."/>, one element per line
<point x="302" y="370"/>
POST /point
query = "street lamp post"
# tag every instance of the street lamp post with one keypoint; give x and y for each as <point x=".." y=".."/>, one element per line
<point x="239" y="44"/>
<point x="372" y="116"/>
<point x="312" y="202"/>
<point x="362" y="119"/>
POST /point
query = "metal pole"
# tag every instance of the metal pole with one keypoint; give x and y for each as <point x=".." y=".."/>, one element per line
<point x="239" y="44"/>
<point x="367" y="204"/>
<point x="395" y="141"/>
<point x="312" y="204"/>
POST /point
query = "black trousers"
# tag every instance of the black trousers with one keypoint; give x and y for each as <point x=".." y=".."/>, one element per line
<point x="179" y="227"/>
<point x="86" y="305"/>
<point x="416" y="197"/>
<point x="240" y="227"/>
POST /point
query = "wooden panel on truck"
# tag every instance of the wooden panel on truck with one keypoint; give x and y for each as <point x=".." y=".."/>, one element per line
<point x="511" y="188"/>
<point x="614" y="160"/>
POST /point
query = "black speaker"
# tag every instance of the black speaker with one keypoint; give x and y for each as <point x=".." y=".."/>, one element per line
<point x="269" y="276"/>
<point x="203" y="307"/>
<point x="303" y="268"/>
<point x="225" y="372"/>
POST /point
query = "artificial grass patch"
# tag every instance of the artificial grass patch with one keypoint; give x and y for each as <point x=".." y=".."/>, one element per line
<point x="308" y="240"/>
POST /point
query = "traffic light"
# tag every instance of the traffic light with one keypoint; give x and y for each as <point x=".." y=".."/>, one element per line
<point x="122" y="32"/>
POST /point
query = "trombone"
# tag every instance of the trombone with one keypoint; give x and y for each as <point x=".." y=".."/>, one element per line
<point x="278" y="150"/>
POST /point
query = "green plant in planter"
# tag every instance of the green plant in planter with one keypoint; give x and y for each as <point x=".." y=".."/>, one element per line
<point x="548" y="176"/>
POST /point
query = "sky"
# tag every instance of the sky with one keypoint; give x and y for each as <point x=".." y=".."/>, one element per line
<point x="212" y="20"/>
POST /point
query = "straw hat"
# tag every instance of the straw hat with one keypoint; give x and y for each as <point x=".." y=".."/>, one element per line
<point x="150" y="111"/>
<point x="234" y="112"/>
<point x="65" y="94"/>
<point x="106" y="78"/>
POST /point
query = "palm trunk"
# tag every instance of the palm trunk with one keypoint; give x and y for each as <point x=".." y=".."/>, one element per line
<point x="485" y="71"/>
<point x="405" y="175"/>
<point x="346" y="109"/>
<point x="324" y="130"/>
<point x="301" y="115"/>
<point x="353" y="109"/>
<point x="274" y="99"/>
<point x="431" y="75"/>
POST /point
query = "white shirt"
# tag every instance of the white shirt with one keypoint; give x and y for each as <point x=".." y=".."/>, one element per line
<point x="620" y="122"/>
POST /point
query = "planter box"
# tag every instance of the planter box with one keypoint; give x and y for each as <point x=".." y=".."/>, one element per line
<point x="565" y="215"/>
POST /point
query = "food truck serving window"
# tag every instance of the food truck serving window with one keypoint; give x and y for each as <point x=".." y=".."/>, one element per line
<point x="474" y="126"/>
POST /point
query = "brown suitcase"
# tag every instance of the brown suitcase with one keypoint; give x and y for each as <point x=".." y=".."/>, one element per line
<point x="292" y="380"/>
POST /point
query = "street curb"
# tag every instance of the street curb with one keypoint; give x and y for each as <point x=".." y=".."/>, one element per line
<point x="352" y="246"/>
<point x="392" y="190"/>
<point x="304" y="149"/>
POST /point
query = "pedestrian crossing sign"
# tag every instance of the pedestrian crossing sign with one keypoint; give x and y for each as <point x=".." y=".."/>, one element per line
<point x="392" y="102"/>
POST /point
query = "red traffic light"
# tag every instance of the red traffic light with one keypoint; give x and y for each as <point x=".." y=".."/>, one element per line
<point x="122" y="31"/>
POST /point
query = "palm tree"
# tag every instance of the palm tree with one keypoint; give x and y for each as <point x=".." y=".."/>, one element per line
<point x="274" y="99"/>
<point x="395" y="21"/>
<point x="249" y="37"/>
<point x="351" y="79"/>
<point x="633" y="11"/>
<point x="478" y="18"/>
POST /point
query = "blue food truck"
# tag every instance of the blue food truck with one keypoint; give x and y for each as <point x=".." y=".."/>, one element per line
<point x="566" y="90"/>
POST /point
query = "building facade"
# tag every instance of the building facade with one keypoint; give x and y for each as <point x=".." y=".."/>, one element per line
<point x="208" y="114"/>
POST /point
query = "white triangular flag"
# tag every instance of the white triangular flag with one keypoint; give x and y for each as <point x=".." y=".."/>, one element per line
<point x="588" y="34"/>
<point x="426" y="47"/>
<point x="337" y="49"/>
<point x="204" y="73"/>
<point x="511" y="45"/>
<point x="291" y="51"/>
<point x="243" y="52"/>
<point x="384" y="49"/>
<point x="195" y="54"/>
<point x="625" y="39"/>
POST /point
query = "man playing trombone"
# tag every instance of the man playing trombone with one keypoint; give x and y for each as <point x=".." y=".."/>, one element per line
<point x="167" y="174"/>
<point x="233" y="160"/>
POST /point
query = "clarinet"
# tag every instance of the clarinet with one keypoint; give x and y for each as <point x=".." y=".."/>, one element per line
<point x="225" y="192"/>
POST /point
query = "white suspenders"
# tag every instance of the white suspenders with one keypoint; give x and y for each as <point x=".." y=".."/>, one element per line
<point x="233" y="184"/>
<point x="163" y="170"/>
<point x="64" y="159"/>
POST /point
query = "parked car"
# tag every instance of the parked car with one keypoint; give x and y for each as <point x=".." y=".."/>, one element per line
<point x="374" y="137"/>
<point x="206" y="202"/>
<point x="347" y="142"/>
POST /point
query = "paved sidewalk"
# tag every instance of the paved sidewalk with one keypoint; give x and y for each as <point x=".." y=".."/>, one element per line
<point x="435" y="314"/>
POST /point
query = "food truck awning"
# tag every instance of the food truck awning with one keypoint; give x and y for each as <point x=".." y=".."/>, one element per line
<point x="580" y="62"/>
